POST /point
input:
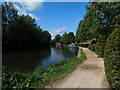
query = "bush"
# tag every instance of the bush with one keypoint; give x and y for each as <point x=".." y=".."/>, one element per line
<point x="92" y="47"/>
<point x="112" y="59"/>
<point x="84" y="45"/>
<point x="98" y="48"/>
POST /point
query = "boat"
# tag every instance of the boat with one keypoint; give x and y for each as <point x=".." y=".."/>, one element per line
<point x="58" y="45"/>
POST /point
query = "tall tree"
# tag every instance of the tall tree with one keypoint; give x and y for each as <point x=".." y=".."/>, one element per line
<point x="20" y="32"/>
<point x="109" y="13"/>
<point x="64" y="38"/>
<point x="8" y="14"/>
<point x="99" y="22"/>
<point x="46" y="37"/>
<point x="70" y="37"/>
<point x="57" y="38"/>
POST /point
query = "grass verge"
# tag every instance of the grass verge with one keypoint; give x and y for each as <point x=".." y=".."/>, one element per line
<point x="40" y="78"/>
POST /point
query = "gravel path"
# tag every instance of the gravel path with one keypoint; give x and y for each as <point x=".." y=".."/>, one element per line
<point x="90" y="74"/>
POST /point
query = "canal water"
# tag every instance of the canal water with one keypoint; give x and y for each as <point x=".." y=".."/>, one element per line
<point x="30" y="60"/>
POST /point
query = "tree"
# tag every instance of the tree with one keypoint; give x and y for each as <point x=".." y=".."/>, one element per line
<point x="99" y="22"/>
<point x="67" y="38"/>
<point x="70" y="37"/>
<point x="20" y="32"/>
<point x="108" y="14"/>
<point x="8" y="14"/>
<point x="57" y="38"/>
<point x="64" y="38"/>
<point x="46" y="37"/>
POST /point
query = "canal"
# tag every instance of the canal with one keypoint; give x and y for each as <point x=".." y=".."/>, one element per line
<point x="30" y="60"/>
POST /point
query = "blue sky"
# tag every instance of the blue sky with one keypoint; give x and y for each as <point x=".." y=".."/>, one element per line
<point x="60" y="17"/>
<point x="56" y="17"/>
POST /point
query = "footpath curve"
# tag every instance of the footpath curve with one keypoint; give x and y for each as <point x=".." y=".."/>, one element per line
<point x="90" y="74"/>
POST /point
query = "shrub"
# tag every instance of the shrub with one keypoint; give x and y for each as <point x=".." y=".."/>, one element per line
<point x="99" y="49"/>
<point x="84" y="45"/>
<point x="112" y="59"/>
<point x="92" y="47"/>
<point x="58" y="64"/>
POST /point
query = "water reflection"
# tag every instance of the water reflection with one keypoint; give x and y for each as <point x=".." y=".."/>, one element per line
<point x="30" y="60"/>
<point x="57" y="54"/>
<point x="24" y="61"/>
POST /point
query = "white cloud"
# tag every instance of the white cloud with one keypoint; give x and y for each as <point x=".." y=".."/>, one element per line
<point x="33" y="16"/>
<point x="58" y="0"/>
<point x="58" y="31"/>
<point x="32" y="6"/>
<point x="23" y="9"/>
<point x="17" y="7"/>
<point x="22" y="0"/>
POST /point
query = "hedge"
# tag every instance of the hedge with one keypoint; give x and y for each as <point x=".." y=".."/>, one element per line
<point x="98" y="48"/>
<point x="112" y="59"/>
<point x="84" y="45"/>
<point x="92" y="47"/>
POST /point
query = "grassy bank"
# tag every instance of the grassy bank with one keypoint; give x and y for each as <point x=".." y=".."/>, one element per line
<point x="40" y="78"/>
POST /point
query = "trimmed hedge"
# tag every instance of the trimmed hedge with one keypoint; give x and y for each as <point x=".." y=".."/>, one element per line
<point x="98" y="48"/>
<point x="92" y="47"/>
<point x="112" y="59"/>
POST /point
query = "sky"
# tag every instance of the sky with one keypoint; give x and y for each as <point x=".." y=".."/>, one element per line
<point x="56" y="17"/>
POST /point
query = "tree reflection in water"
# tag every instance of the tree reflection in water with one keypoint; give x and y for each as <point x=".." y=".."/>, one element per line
<point x="31" y="60"/>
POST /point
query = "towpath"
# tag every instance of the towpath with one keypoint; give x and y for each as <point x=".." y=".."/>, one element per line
<point x="90" y="74"/>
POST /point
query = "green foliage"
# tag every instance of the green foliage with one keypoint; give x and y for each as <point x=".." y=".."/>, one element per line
<point x="92" y="47"/>
<point x="64" y="38"/>
<point x="41" y="77"/>
<point x="87" y="28"/>
<point x="57" y="38"/>
<point x="61" y="63"/>
<point x="21" y="32"/>
<point x="67" y="38"/>
<point x="81" y="34"/>
<point x="46" y="37"/>
<point x="109" y="13"/>
<point x="98" y="48"/>
<point x="9" y="13"/>
<point x="107" y="22"/>
<point x="99" y="22"/>
<point x="112" y="59"/>
<point x="70" y="37"/>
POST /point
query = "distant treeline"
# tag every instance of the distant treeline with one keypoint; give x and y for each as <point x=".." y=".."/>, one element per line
<point x="65" y="38"/>
<point x="20" y="32"/>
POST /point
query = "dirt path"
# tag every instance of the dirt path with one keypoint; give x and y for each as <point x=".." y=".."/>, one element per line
<point x="88" y="75"/>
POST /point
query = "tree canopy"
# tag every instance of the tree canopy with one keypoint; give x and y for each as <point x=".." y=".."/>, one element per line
<point x="57" y="38"/>
<point x="20" y="32"/>
<point x="65" y="38"/>
<point x="99" y="22"/>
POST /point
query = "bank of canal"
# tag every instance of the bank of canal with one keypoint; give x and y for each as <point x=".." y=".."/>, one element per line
<point x="41" y="77"/>
<point x="30" y="60"/>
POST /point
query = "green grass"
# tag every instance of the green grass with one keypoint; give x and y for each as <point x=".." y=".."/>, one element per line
<point x="40" y="78"/>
